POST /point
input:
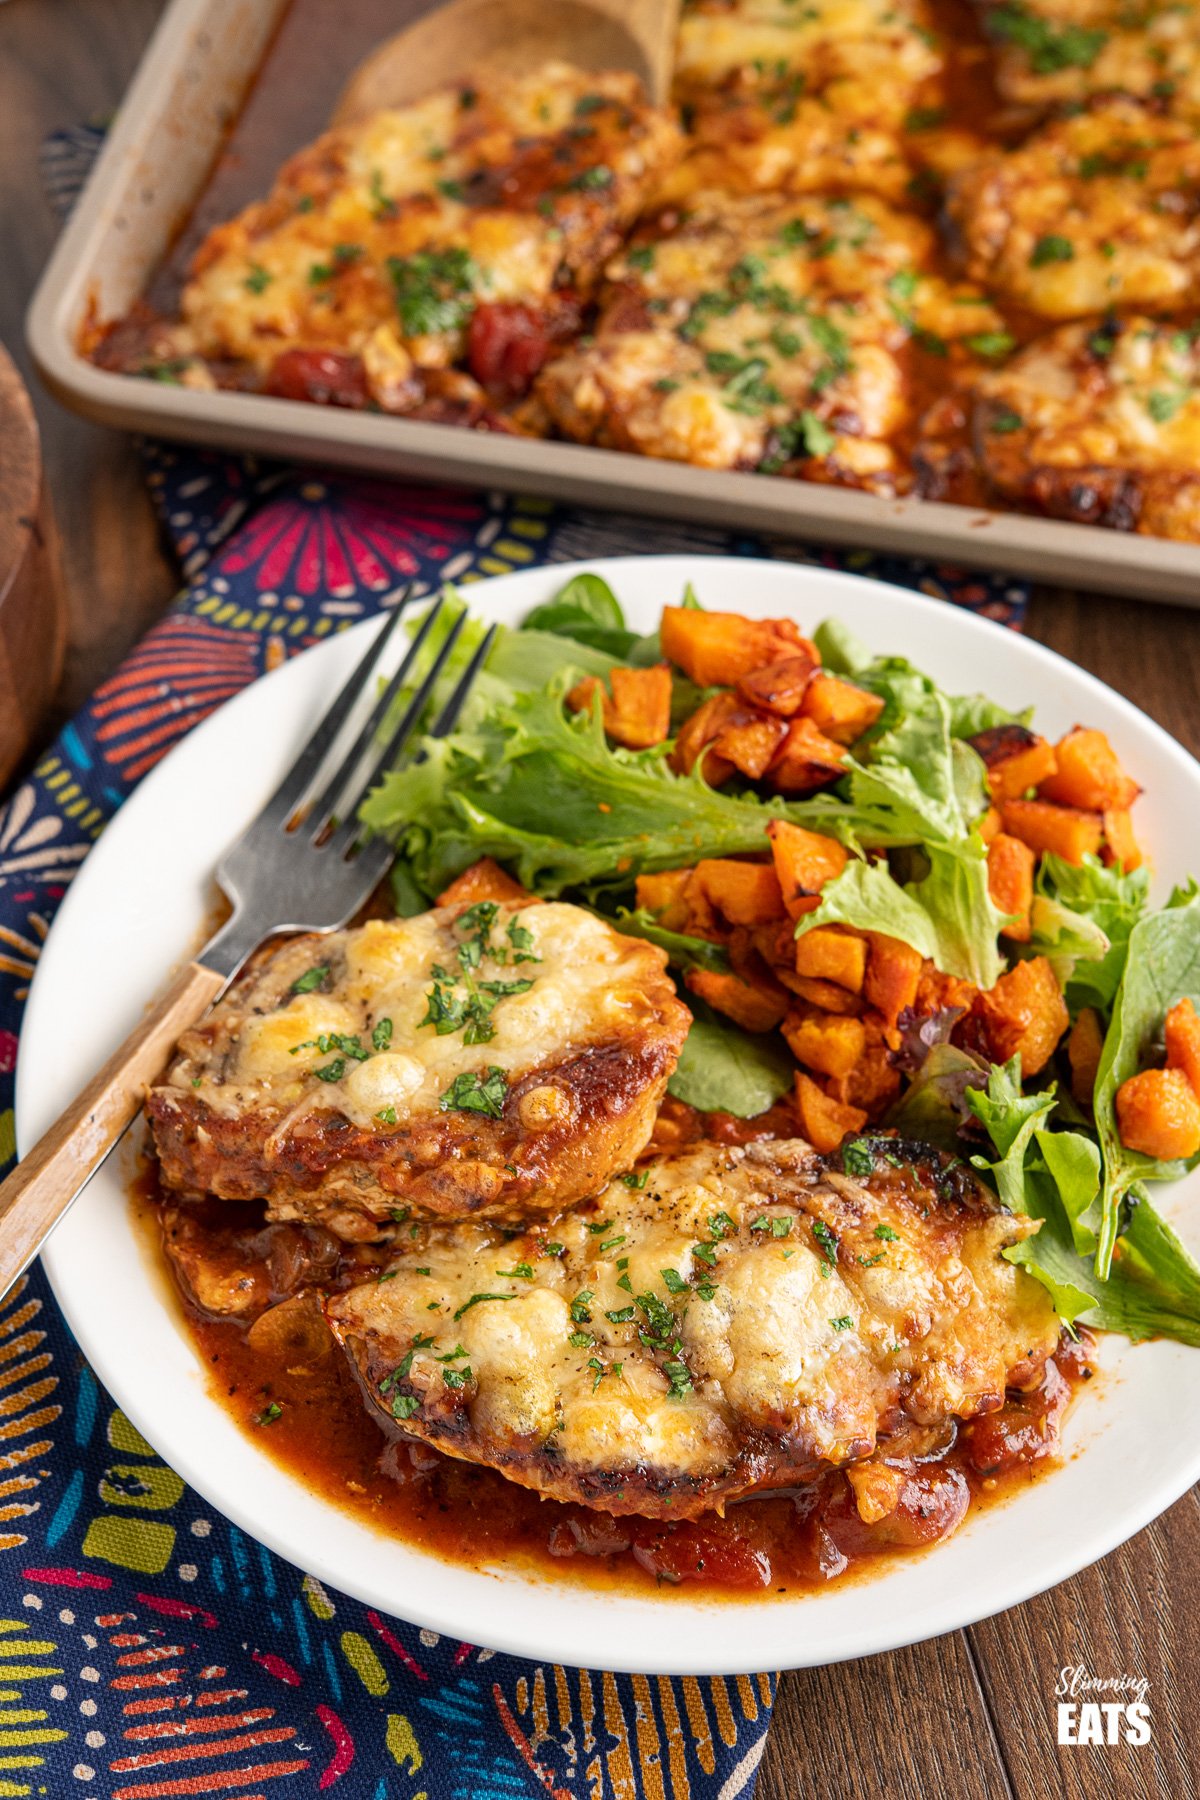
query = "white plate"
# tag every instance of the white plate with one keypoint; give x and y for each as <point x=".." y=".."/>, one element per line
<point x="137" y="907"/>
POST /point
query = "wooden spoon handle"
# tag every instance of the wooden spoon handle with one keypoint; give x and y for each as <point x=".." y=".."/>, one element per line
<point x="44" y="1183"/>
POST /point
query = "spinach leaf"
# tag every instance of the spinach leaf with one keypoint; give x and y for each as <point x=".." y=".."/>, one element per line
<point x="724" y="1069"/>
<point x="1097" y="899"/>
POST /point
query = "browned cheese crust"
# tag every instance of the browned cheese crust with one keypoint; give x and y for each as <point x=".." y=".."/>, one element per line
<point x="742" y="1320"/>
<point x="1100" y="424"/>
<point x="323" y="1085"/>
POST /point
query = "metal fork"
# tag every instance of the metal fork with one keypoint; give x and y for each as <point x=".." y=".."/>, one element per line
<point x="301" y="865"/>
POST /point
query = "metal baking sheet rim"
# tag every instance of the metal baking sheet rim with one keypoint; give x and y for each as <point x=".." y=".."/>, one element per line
<point x="119" y="230"/>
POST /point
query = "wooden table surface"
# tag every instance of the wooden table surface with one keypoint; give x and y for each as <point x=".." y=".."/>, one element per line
<point x="965" y="1716"/>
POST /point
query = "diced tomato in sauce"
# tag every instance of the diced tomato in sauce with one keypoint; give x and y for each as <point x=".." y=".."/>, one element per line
<point x="328" y="377"/>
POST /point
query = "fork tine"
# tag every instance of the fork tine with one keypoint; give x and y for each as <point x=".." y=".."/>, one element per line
<point x="292" y="788"/>
<point x="322" y="809"/>
<point x="347" y="832"/>
<point x="447" y="719"/>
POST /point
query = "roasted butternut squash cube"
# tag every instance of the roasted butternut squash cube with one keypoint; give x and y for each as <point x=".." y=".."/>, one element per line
<point x="1083" y="1053"/>
<point x="695" y="736"/>
<point x="829" y="1043"/>
<point x="874" y="1082"/>
<point x="937" y="991"/>
<point x="1045" y="826"/>
<point x="781" y="686"/>
<point x="1024" y="1015"/>
<point x="1183" y="1041"/>
<point x="839" y="709"/>
<point x="892" y="977"/>
<point x="1010" y="884"/>
<point x="805" y="760"/>
<point x="1120" y="845"/>
<point x="1158" y="1113"/>
<point x="665" y="895"/>
<point x="804" y="862"/>
<point x="750" y="741"/>
<point x="484" y="880"/>
<point x="718" y="648"/>
<point x="750" y="1007"/>
<point x="824" y="1121"/>
<point x="744" y="893"/>
<point x="1016" y="759"/>
<point x="832" y="953"/>
<point x="990" y="824"/>
<point x="827" y="996"/>
<point x="1089" y="774"/>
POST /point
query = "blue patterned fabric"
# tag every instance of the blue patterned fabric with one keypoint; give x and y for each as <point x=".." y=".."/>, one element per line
<point x="147" y="1647"/>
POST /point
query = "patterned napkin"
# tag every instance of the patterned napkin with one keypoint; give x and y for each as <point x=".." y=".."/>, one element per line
<point x="147" y="1647"/>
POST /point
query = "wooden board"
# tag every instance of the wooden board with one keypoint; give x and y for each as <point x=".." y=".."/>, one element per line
<point x="31" y="614"/>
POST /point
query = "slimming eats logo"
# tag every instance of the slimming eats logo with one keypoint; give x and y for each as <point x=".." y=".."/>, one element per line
<point x="1102" y="1709"/>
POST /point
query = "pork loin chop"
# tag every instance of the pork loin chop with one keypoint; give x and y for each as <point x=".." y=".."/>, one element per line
<point x="484" y="1060"/>
<point x="725" y="1320"/>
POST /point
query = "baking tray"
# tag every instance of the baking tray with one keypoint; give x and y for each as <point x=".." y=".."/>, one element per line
<point x="172" y="143"/>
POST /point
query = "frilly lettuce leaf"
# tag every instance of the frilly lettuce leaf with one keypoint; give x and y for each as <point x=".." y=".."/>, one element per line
<point x="1153" y="1286"/>
<point x="1162" y="965"/>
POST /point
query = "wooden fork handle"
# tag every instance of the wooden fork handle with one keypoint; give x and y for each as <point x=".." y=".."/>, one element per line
<point x="42" y="1186"/>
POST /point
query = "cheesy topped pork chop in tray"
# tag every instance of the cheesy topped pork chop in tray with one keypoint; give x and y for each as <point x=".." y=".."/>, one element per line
<point x="715" y="1154"/>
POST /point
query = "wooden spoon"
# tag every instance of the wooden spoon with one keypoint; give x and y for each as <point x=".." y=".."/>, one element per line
<point x="510" y="37"/>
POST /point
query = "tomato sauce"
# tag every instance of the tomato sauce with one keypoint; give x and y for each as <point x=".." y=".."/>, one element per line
<point x="298" y="1399"/>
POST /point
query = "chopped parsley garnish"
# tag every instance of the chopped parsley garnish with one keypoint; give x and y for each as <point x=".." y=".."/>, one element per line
<point x="636" y="1179"/>
<point x="925" y="118"/>
<point x="622" y="1315"/>
<point x="457" y="1378"/>
<point x="641" y="256"/>
<point x="1163" y="406"/>
<point x="673" y="1281"/>
<point x="403" y="1368"/>
<point x="522" y="1272"/>
<point x="405" y="1405"/>
<point x="827" y="1244"/>
<point x="613" y="1243"/>
<point x="600" y="1226"/>
<point x="579" y="1307"/>
<point x="1004" y="420"/>
<point x="593" y="180"/>
<point x="343" y="256"/>
<point x="676" y="1372"/>
<point x="310" y="980"/>
<point x="473" y="1091"/>
<point x="521" y="939"/>
<point x="398" y="1214"/>
<point x="477" y="1300"/>
<point x="382" y="206"/>
<point x="720" y="1224"/>
<point x="387" y="1114"/>
<point x="381" y="1037"/>
<point x="258" y="280"/>
<point x="990" y="343"/>
<point x="705" y="1253"/>
<point x="270" y="1414"/>
<point x="858" y="1158"/>
<point x="869" y="1262"/>
<point x="433" y="290"/>
<point x="452" y="190"/>
<point x="886" y="1235"/>
<point x="332" y="1071"/>
<point x="1051" y="249"/>
<point x="349" y="1044"/>
<point x="1050" y="48"/>
<point x="777" y="1228"/>
<point x="845" y="1323"/>
<point x="581" y="1340"/>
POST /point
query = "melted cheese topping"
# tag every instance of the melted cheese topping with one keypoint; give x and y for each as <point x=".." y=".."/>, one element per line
<point x="1058" y="52"/>
<point x="281" y="1051"/>
<point x="864" y="57"/>
<point x="1096" y="211"/>
<point x="508" y="192"/>
<point x="767" y="330"/>
<point x="774" y="1303"/>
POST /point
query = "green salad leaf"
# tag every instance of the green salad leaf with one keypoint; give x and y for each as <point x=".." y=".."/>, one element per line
<point x="1162" y="965"/>
<point x="724" y="1069"/>
<point x="1089" y="899"/>
<point x="948" y="916"/>
<point x="683" y="951"/>
<point x="1153" y="1286"/>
